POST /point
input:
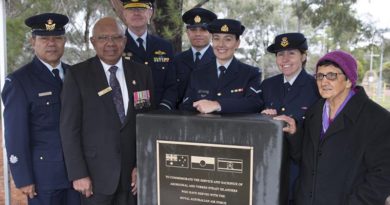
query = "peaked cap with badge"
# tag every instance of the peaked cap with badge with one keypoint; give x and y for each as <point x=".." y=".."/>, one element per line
<point x="47" y="24"/>
<point x="198" y="17"/>
<point x="147" y="4"/>
<point x="288" y="41"/>
<point x="229" y="26"/>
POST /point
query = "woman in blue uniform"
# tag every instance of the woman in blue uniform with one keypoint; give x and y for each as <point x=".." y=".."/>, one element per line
<point x="293" y="91"/>
<point x="225" y="85"/>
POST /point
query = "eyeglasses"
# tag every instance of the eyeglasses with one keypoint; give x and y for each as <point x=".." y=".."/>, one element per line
<point x="105" y="39"/>
<point x="329" y="76"/>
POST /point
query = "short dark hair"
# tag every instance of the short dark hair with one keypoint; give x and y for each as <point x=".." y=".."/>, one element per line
<point x="329" y="63"/>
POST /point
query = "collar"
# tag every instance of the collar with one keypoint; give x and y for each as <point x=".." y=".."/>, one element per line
<point x="119" y="64"/>
<point x="134" y="36"/>
<point x="202" y="51"/>
<point x="48" y="66"/>
<point x="226" y="64"/>
<point x="292" y="80"/>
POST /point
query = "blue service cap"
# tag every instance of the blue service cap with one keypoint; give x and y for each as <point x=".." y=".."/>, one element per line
<point x="288" y="41"/>
<point x="147" y="4"/>
<point x="230" y="26"/>
<point x="47" y="24"/>
<point x="198" y="17"/>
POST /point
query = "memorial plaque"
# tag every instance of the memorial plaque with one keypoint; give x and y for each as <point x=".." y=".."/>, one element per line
<point x="190" y="172"/>
<point x="197" y="159"/>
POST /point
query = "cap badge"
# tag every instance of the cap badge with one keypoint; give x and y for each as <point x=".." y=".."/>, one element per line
<point x="284" y="42"/>
<point x="197" y="19"/>
<point x="50" y="25"/>
<point x="225" y="28"/>
<point x="134" y="0"/>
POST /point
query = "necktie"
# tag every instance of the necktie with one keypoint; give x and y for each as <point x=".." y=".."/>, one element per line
<point x="56" y="73"/>
<point x="197" y="58"/>
<point x="141" y="44"/>
<point x="222" y="71"/>
<point x="117" y="93"/>
<point x="286" y="88"/>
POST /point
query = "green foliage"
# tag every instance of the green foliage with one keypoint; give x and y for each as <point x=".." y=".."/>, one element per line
<point x="167" y="21"/>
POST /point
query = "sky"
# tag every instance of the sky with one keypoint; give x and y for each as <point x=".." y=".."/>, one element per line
<point x="376" y="12"/>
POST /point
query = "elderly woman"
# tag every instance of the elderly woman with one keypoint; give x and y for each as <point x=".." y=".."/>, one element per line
<point x="225" y="85"/>
<point x="343" y="147"/>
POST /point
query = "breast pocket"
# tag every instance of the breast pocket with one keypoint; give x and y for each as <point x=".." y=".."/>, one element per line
<point x="46" y="110"/>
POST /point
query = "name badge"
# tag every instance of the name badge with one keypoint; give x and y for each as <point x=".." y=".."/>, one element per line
<point x="48" y="93"/>
<point x="141" y="99"/>
<point x="104" y="91"/>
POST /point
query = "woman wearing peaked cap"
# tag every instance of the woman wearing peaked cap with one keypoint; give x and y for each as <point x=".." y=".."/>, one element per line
<point x="293" y="91"/>
<point x="343" y="146"/>
<point x="225" y="85"/>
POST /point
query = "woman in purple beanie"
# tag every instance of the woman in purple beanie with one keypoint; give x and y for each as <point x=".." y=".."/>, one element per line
<point x="343" y="147"/>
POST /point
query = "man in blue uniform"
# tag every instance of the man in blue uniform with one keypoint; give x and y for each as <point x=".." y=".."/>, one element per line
<point x="151" y="50"/>
<point x="31" y="97"/>
<point x="224" y="85"/>
<point x="293" y="91"/>
<point x="200" y="52"/>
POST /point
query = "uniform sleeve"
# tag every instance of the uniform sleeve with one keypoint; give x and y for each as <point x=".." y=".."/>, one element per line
<point x="16" y="130"/>
<point x="251" y="101"/>
<point x="169" y="98"/>
<point x="71" y="128"/>
<point x="189" y="97"/>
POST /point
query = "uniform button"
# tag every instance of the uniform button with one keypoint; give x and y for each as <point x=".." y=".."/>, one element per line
<point x="311" y="194"/>
<point x="146" y="63"/>
<point x="313" y="172"/>
<point x="163" y="68"/>
<point x="303" y="117"/>
<point x="283" y="109"/>
<point x="219" y="94"/>
<point x="41" y="158"/>
<point x="319" y="153"/>
<point x="47" y="103"/>
<point x="178" y="80"/>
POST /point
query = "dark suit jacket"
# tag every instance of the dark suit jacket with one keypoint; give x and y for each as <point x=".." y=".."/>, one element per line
<point x="95" y="142"/>
<point x="184" y="65"/>
<point x="236" y="92"/>
<point x="303" y="93"/>
<point x="31" y="97"/>
<point x="351" y="165"/>
<point x="159" y="57"/>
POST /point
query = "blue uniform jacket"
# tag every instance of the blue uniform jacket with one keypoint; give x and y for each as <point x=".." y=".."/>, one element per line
<point x="237" y="91"/>
<point x="303" y="93"/>
<point x="159" y="57"/>
<point x="184" y="65"/>
<point x="31" y="97"/>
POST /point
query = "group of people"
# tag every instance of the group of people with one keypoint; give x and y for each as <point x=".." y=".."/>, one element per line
<point x="70" y="130"/>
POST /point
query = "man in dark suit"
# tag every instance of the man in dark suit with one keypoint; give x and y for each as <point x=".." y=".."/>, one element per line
<point x="31" y="97"/>
<point x="150" y="50"/>
<point x="225" y="85"/>
<point x="200" y="52"/>
<point x="101" y="97"/>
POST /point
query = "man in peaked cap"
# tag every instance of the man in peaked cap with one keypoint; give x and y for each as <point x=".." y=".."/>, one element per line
<point x="200" y="52"/>
<point x="150" y="50"/>
<point x="31" y="97"/>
